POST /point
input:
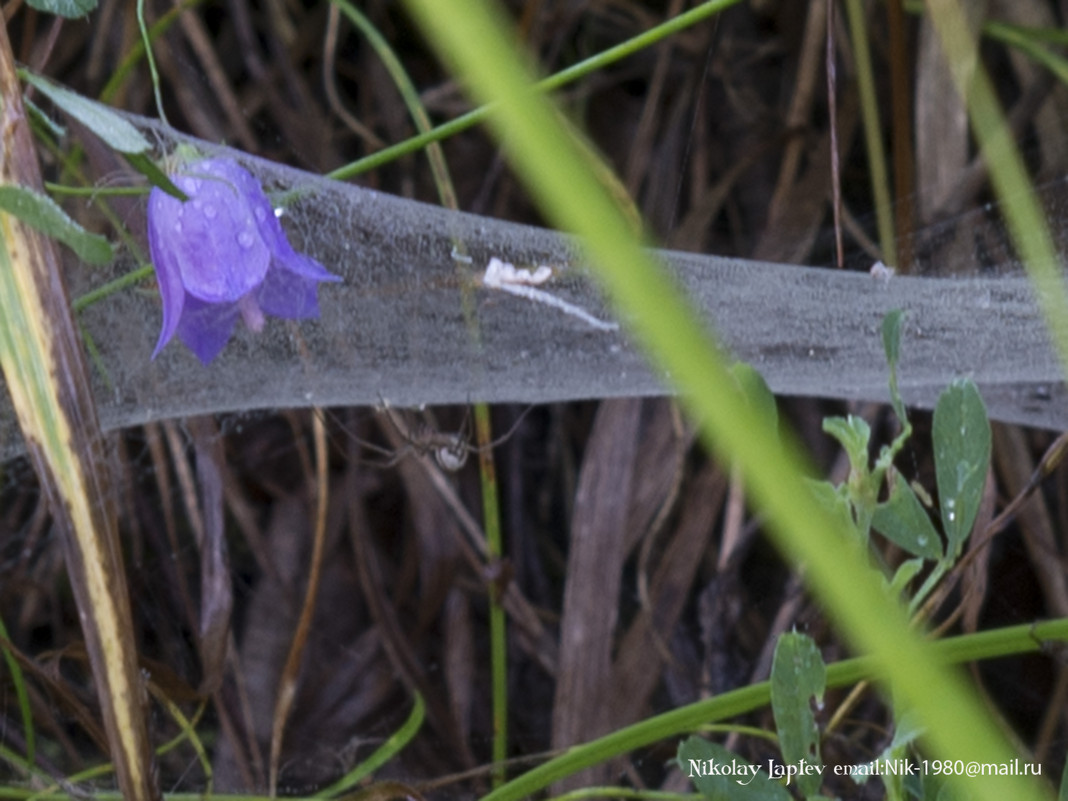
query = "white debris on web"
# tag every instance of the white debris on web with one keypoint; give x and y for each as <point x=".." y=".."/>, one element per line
<point x="880" y="272"/>
<point x="460" y="256"/>
<point x="522" y="282"/>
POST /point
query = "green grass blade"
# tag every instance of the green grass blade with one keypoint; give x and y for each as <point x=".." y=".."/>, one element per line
<point x="383" y="754"/>
<point x="562" y="78"/>
<point x="551" y="166"/>
<point x="23" y="697"/>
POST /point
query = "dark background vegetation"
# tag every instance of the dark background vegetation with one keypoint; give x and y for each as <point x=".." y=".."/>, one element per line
<point x="722" y="137"/>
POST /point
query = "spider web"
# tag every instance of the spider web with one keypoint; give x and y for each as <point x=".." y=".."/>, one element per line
<point x="411" y="325"/>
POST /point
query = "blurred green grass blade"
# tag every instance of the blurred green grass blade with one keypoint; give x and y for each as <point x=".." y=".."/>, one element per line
<point x="46" y="376"/>
<point x="1023" y="214"/>
<point x="18" y="680"/>
<point x="836" y="570"/>
<point x="1030" y="41"/>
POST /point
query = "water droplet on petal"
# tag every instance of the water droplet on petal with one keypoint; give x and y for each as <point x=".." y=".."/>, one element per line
<point x="261" y="215"/>
<point x="246" y="240"/>
<point x="210" y="211"/>
<point x="177" y="226"/>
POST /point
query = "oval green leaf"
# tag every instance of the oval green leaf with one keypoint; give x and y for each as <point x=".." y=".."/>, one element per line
<point x="720" y="775"/>
<point x="42" y="213"/>
<point x="961" y="434"/>
<point x="98" y="118"/>
<point x="71" y="9"/>
<point x="904" y="521"/>
<point x="798" y="677"/>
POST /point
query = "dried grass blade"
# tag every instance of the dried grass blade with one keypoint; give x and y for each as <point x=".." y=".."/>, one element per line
<point x="42" y="362"/>
<point x="594" y="576"/>
<point x="216" y="589"/>
<point x="287" y="690"/>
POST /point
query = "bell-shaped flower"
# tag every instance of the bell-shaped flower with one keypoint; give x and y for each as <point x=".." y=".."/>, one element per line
<point x="221" y="254"/>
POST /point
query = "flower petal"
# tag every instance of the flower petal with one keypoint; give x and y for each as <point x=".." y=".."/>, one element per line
<point x="216" y="240"/>
<point x="222" y="254"/>
<point x="205" y="328"/>
<point x="168" y="272"/>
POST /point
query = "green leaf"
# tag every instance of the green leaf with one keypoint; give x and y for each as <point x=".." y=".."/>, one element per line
<point x="904" y="521"/>
<point x="853" y="433"/>
<point x="835" y="501"/>
<point x="962" y="455"/>
<point x="892" y="323"/>
<point x="39" y="117"/>
<point x="905" y="573"/>
<point x="98" y="118"/>
<point x="798" y="676"/>
<point x="720" y="775"/>
<point x="148" y="168"/>
<point x="71" y="9"/>
<point x="42" y="213"/>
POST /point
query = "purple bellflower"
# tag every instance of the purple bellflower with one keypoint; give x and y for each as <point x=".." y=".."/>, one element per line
<point x="221" y="254"/>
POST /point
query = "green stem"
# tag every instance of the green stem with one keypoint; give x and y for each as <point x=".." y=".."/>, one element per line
<point x="555" y="81"/>
<point x="869" y="109"/>
<point x="968" y="648"/>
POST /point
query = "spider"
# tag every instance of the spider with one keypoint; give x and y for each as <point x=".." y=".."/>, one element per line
<point x="422" y="438"/>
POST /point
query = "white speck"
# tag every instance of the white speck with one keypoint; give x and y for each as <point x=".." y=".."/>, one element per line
<point x="280" y="212"/>
<point x="880" y="272"/>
